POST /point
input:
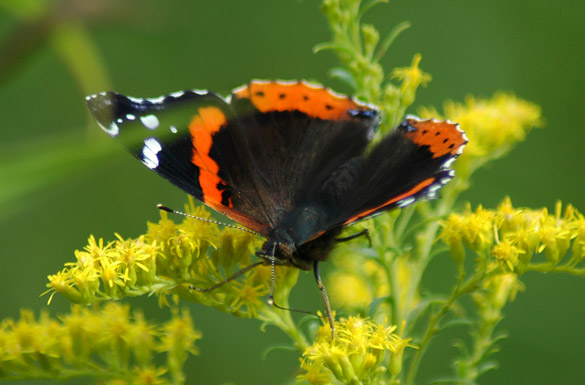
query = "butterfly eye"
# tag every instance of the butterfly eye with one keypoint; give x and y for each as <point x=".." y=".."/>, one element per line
<point x="284" y="251"/>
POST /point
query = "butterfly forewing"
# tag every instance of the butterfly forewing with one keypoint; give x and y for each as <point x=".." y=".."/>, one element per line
<point x="172" y="136"/>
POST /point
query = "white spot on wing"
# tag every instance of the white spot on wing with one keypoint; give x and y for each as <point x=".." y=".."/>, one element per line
<point x="406" y="201"/>
<point x="111" y="130"/>
<point x="135" y="100"/>
<point x="150" y="153"/>
<point x="311" y="85"/>
<point x="434" y="188"/>
<point x="150" y="121"/>
<point x="286" y="82"/>
<point x="238" y="89"/>
<point x="199" y="92"/>
<point x="158" y="100"/>
<point x="130" y="117"/>
<point x="173" y="129"/>
<point x="448" y="162"/>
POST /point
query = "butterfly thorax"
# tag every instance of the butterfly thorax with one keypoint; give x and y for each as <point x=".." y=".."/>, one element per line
<point x="299" y="240"/>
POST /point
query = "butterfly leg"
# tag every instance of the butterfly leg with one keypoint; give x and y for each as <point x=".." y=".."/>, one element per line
<point x="228" y="279"/>
<point x="325" y="297"/>
<point x="364" y="232"/>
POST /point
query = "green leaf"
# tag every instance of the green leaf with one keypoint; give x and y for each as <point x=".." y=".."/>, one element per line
<point x="422" y="307"/>
<point x="270" y="349"/>
<point x="372" y="3"/>
<point x="306" y="320"/>
<point x="455" y="323"/>
<point x="487" y="366"/>
<point x="380" y="300"/>
<point x="462" y="348"/>
<point x="343" y="75"/>
<point x="387" y="42"/>
<point x="333" y="46"/>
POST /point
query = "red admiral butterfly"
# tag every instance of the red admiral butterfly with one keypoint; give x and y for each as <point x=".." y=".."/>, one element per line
<point x="289" y="160"/>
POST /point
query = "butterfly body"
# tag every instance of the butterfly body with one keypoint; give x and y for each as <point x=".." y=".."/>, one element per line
<point x="291" y="161"/>
<point x="290" y="242"/>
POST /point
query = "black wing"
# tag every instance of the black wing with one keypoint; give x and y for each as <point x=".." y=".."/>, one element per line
<point x="172" y="136"/>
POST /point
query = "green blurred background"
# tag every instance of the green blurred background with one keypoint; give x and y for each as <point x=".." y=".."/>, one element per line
<point x="61" y="179"/>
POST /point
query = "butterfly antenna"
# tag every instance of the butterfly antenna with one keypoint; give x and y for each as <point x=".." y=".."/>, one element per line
<point x="169" y="210"/>
<point x="270" y="300"/>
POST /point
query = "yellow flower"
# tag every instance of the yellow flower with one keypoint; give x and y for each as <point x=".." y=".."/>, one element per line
<point x="519" y="235"/>
<point x="507" y="254"/>
<point x="150" y="375"/>
<point x="169" y="260"/>
<point x="178" y="339"/>
<point x="249" y="296"/>
<point x="493" y="126"/>
<point x="315" y="373"/>
<point x="106" y="342"/>
<point x="497" y="291"/>
<point x="578" y="250"/>
<point x="356" y="355"/>
<point x="475" y="229"/>
<point x="452" y="236"/>
<point x="556" y="232"/>
<point x="411" y="78"/>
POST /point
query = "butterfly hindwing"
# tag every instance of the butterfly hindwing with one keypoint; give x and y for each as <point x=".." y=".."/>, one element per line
<point x="408" y="164"/>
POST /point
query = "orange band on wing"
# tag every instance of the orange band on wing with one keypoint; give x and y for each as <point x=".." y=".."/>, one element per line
<point x="317" y="102"/>
<point x="412" y="191"/>
<point x="442" y="138"/>
<point x="203" y="126"/>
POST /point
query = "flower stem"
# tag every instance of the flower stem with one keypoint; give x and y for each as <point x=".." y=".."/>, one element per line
<point x="459" y="290"/>
<point x="284" y="322"/>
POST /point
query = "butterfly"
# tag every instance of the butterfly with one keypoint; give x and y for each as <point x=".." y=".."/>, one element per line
<point x="289" y="160"/>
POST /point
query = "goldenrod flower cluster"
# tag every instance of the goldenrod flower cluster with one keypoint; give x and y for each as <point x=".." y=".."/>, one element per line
<point x="109" y="343"/>
<point x="171" y="259"/>
<point x="509" y="239"/>
<point x="361" y="353"/>
<point x="411" y="78"/>
<point x="492" y="125"/>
